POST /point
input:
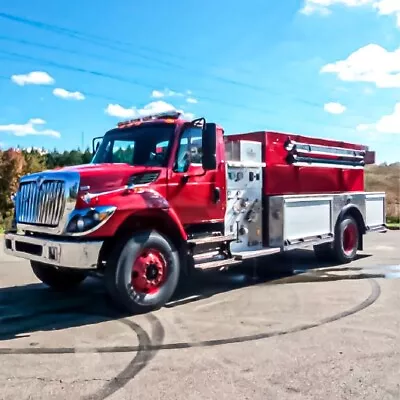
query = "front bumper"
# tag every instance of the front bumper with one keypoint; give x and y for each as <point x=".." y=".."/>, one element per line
<point x="61" y="253"/>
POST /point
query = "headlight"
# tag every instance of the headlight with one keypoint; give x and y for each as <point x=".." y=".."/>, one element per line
<point x="83" y="222"/>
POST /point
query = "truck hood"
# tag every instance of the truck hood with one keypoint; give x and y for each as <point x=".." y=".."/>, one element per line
<point x="105" y="177"/>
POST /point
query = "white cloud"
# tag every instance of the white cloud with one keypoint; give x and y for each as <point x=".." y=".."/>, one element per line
<point x="371" y="63"/>
<point x="159" y="94"/>
<point x="37" y="121"/>
<point x="29" y="128"/>
<point x="116" y="110"/>
<point x="192" y="100"/>
<point x="33" y="78"/>
<point x="387" y="124"/>
<point x="334" y="108"/>
<point x="322" y="6"/>
<point x="66" y="94"/>
<point x="384" y="7"/>
<point x="388" y="7"/>
<point x="155" y="107"/>
<point x="156" y="94"/>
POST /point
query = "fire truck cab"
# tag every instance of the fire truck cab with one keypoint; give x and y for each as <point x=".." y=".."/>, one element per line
<point x="163" y="196"/>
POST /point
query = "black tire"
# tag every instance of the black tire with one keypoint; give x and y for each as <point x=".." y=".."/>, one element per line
<point x="60" y="279"/>
<point x="118" y="273"/>
<point x="347" y="238"/>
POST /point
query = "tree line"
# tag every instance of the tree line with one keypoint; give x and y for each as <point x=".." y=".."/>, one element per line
<point x="14" y="163"/>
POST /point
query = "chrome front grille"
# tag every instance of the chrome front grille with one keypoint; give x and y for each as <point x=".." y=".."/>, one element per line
<point x="41" y="203"/>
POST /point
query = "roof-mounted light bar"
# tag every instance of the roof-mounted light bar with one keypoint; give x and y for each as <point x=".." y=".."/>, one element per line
<point x="172" y="114"/>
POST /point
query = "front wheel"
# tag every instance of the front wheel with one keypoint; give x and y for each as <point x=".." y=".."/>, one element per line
<point x="143" y="272"/>
<point x="59" y="279"/>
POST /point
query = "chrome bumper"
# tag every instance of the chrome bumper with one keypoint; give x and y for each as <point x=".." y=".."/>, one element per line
<point x="68" y="254"/>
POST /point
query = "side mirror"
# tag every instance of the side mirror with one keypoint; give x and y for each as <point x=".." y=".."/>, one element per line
<point x="209" y="147"/>
<point x="95" y="144"/>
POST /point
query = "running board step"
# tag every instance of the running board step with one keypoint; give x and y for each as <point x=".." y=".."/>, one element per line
<point x="209" y="255"/>
<point x="246" y="255"/>
<point x="218" y="263"/>
<point x="212" y="239"/>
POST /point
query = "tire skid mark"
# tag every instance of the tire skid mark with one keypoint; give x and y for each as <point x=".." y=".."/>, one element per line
<point x="154" y="346"/>
<point x="143" y="354"/>
<point x="142" y="358"/>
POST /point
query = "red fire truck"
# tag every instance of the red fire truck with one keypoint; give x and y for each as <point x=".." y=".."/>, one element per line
<point x="163" y="196"/>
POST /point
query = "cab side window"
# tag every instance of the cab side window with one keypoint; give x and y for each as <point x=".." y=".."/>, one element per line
<point x="189" y="150"/>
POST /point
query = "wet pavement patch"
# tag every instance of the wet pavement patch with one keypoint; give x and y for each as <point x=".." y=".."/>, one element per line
<point x="341" y="273"/>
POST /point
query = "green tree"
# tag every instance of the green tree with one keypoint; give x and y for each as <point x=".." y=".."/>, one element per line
<point x="34" y="161"/>
<point x="75" y="157"/>
<point x="12" y="167"/>
<point x="15" y="163"/>
<point x="87" y="156"/>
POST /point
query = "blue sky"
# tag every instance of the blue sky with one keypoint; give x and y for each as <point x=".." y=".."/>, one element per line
<point x="69" y="71"/>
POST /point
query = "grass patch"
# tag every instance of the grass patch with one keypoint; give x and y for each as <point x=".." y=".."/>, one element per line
<point x="394" y="226"/>
<point x="393" y="222"/>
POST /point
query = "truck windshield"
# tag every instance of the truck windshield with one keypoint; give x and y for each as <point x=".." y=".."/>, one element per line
<point x="146" y="145"/>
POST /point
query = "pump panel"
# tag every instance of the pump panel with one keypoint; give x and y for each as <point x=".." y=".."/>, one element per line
<point x="243" y="217"/>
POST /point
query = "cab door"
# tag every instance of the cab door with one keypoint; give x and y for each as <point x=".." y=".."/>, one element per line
<point x="195" y="195"/>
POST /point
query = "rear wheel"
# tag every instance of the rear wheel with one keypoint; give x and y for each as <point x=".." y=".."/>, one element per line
<point x="143" y="272"/>
<point x="57" y="278"/>
<point x="347" y="238"/>
<point x="344" y="248"/>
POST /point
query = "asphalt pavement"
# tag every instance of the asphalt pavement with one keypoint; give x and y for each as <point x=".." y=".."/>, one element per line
<point x="287" y="328"/>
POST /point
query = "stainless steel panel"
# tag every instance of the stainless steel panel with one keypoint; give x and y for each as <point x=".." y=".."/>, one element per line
<point x="276" y="221"/>
<point x="45" y="200"/>
<point x="277" y="206"/>
<point x="41" y="205"/>
<point x="75" y="255"/>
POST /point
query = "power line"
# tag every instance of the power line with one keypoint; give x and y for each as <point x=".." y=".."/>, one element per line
<point x="210" y="99"/>
<point x="76" y="69"/>
<point x="95" y="39"/>
<point x="23" y="57"/>
<point x="101" y="41"/>
<point x="192" y="71"/>
<point x="54" y="48"/>
<point x="75" y="52"/>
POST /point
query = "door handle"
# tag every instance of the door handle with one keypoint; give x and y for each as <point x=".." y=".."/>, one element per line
<point x="216" y="195"/>
<point x="185" y="179"/>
